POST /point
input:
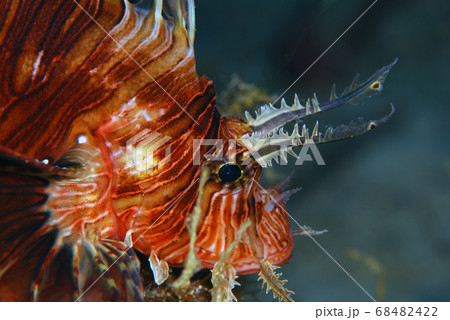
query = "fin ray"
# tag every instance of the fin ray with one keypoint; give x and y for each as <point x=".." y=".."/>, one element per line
<point x="38" y="262"/>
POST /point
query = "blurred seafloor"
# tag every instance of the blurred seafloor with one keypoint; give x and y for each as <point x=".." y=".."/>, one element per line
<point x="383" y="196"/>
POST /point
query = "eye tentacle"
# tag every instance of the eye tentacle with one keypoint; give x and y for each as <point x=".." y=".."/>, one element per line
<point x="276" y="144"/>
<point x="269" y="118"/>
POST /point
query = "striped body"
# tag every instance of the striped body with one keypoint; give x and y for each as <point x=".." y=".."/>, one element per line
<point x="74" y="93"/>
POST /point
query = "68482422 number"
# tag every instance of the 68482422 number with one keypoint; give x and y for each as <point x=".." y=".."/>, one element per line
<point x="407" y="311"/>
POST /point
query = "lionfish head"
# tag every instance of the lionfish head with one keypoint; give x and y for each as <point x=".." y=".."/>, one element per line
<point x="247" y="147"/>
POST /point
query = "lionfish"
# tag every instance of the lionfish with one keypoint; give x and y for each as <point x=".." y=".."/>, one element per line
<point x="84" y="83"/>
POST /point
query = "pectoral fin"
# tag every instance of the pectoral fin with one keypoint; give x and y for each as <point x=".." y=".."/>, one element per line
<point x="40" y="260"/>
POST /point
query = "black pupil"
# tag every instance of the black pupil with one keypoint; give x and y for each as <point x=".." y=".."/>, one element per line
<point x="229" y="172"/>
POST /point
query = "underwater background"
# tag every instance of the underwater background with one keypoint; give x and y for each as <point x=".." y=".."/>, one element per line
<point x="384" y="197"/>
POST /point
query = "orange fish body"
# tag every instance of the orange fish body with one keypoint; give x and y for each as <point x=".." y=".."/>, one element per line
<point x="101" y="114"/>
<point x="74" y="93"/>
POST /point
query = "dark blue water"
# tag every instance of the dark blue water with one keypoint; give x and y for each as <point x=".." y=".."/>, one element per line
<point x="384" y="195"/>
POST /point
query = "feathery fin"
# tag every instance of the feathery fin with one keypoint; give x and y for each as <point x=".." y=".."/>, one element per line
<point x="273" y="282"/>
<point x="223" y="274"/>
<point x="192" y="262"/>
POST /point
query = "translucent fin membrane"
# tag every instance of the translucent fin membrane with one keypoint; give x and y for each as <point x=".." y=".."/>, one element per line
<point x="183" y="14"/>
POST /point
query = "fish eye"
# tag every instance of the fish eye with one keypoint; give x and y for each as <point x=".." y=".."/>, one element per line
<point x="229" y="172"/>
